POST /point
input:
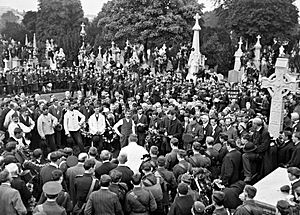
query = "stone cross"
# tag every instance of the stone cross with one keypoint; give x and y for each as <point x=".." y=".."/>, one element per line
<point x="238" y="54"/>
<point x="279" y="85"/>
<point x="257" y="53"/>
<point x="197" y="26"/>
<point x="112" y="44"/>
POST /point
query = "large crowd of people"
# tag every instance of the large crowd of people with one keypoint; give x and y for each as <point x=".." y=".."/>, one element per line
<point x="143" y="142"/>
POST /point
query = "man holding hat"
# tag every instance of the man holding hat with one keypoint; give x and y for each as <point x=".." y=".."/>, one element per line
<point x="10" y="199"/>
<point x="50" y="207"/>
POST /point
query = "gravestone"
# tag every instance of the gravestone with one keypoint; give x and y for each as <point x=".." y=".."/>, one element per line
<point x="279" y="85"/>
<point x="16" y="62"/>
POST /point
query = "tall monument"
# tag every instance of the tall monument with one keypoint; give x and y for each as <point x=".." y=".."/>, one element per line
<point x="257" y="48"/>
<point x="195" y="56"/>
<point x="279" y="85"/>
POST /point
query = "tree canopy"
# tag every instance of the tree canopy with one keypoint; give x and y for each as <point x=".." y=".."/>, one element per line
<point x="60" y="20"/>
<point x="151" y="22"/>
<point x="268" y="18"/>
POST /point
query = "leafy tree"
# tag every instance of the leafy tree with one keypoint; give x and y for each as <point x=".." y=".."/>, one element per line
<point x="14" y="30"/>
<point x="150" y="22"/>
<point x="29" y="21"/>
<point x="8" y="16"/>
<point x="268" y="18"/>
<point x="217" y="47"/>
<point x="60" y="20"/>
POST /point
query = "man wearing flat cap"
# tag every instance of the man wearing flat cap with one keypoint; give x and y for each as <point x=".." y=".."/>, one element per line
<point x="10" y="199"/>
<point x="50" y="207"/>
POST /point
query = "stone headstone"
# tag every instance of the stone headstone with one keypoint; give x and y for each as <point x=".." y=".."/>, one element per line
<point x="279" y="85"/>
<point x="16" y="62"/>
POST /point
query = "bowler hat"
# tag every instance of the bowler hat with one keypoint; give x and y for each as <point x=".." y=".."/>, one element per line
<point x="249" y="147"/>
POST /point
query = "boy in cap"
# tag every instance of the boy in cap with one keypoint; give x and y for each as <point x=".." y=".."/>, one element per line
<point x="50" y="207"/>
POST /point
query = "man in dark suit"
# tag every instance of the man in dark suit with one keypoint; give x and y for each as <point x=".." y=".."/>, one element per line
<point x="72" y="172"/>
<point x="141" y="123"/>
<point x="173" y="128"/>
<point x="106" y="166"/>
<point x="127" y="173"/>
<point x="261" y="138"/>
<point x="216" y="130"/>
<point x="285" y="147"/>
<point x="183" y="203"/>
<point x="109" y="201"/>
<point x="231" y="166"/>
<point x="167" y="181"/>
<point x="83" y="183"/>
<point x="46" y="171"/>
<point x="295" y="159"/>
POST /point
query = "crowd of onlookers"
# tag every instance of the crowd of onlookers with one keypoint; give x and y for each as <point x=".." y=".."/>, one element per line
<point x="137" y="141"/>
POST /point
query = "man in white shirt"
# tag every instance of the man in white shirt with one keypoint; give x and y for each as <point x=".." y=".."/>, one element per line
<point x="72" y="125"/>
<point x="127" y="127"/>
<point x="134" y="153"/>
<point x="15" y="123"/>
<point x="97" y="127"/>
<point x="45" y="126"/>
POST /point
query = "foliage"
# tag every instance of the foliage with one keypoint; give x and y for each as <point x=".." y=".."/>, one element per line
<point x="151" y="22"/>
<point x="8" y="16"/>
<point x="60" y="20"/>
<point x="13" y="30"/>
<point x="29" y="21"/>
<point x="268" y="18"/>
<point x="217" y="48"/>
